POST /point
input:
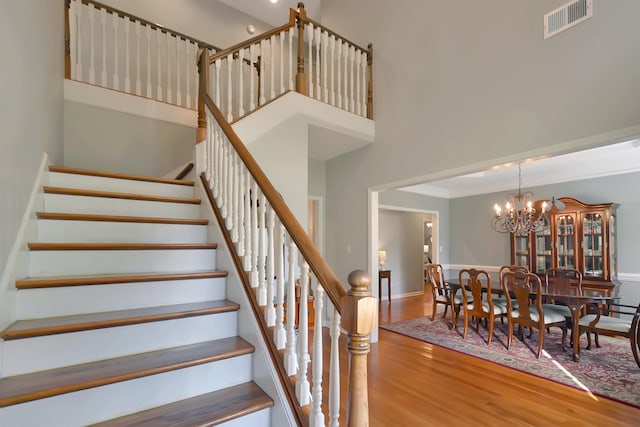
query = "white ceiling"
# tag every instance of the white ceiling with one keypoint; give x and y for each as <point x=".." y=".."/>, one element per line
<point x="612" y="159"/>
<point x="274" y="14"/>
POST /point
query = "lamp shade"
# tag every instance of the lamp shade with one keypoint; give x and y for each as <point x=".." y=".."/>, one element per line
<point x="382" y="257"/>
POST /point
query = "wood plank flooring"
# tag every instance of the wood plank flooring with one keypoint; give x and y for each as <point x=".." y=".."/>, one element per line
<point x="412" y="383"/>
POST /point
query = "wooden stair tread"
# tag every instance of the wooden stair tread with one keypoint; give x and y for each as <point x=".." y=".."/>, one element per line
<point x="38" y="385"/>
<point x="105" y="174"/>
<point x="208" y="409"/>
<point x="58" y="281"/>
<point x="108" y="319"/>
<point x="118" y="195"/>
<point x="114" y="246"/>
<point x="118" y="218"/>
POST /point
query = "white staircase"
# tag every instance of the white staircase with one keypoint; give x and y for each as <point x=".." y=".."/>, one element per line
<point x="124" y="311"/>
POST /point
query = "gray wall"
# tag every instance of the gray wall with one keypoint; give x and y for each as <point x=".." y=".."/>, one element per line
<point x="458" y="87"/>
<point x="97" y="138"/>
<point x="31" y="76"/>
<point x="400" y="235"/>
<point x="317" y="178"/>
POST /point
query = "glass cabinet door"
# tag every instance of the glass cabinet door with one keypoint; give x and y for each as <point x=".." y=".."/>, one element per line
<point x="521" y="245"/>
<point x="542" y="251"/>
<point x="592" y="245"/>
<point x="565" y="244"/>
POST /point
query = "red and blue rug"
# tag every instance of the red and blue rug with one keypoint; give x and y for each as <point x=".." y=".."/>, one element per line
<point x="609" y="371"/>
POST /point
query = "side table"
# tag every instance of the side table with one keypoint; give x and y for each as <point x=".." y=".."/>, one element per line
<point x="384" y="274"/>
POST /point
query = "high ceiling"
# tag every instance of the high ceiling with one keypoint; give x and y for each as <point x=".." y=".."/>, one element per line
<point x="274" y="14"/>
<point x="613" y="159"/>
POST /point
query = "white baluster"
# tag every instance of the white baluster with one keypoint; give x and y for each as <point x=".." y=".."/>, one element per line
<point x="92" y="65"/>
<point x="73" y="38"/>
<point x="325" y="51"/>
<point x="79" y="51"/>
<point x="352" y="52"/>
<point x="138" y="83"/>
<point x="252" y="94"/>
<point x="290" y="359"/>
<point x="148" y="36"/>
<point x="116" y="76"/>
<point x="223" y="179"/>
<point x="292" y="61"/>
<point x="358" y="105"/>
<point x="261" y="87"/>
<point x="169" y="91"/>
<point x="281" y="64"/>
<point x="339" y="72"/>
<point x="303" y="388"/>
<point x="227" y="182"/>
<point x="270" y="313"/>
<point x="127" y="70"/>
<point x="234" y="198"/>
<point x="208" y="149"/>
<point x="247" y="222"/>
<point x="309" y="28"/>
<point x="229" y="87"/>
<point x="279" y="333"/>
<point x="317" y="36"/>
<point x="215" y="153"/>
<point x="262" y="253"/>
<point x="178" y="79"/>
<point x="332" y="44"/>
<point x="218" y="65"/>
<point x="363" y="83"/>
<point x="103" y="24"/>
<point x="240" y="208"/>
<point x="254" y="236"/>
<point x="334" y="371"/>
<point x="190" y="67"/>
<point x="316" y="417"/>
<point x="272" y="64"/>
<point x="159" y="54"/>
<point x="241" y="82"/>
<point x="345" y="54"/>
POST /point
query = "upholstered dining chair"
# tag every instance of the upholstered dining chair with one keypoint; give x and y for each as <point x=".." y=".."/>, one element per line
<point x="621" y="321"/>
<point x="502" y="300"/>
<point x="476" y="288"/>
<point x="521" y="288"/>
<point x="562" y="281"/>
<point x="441" y="293"/>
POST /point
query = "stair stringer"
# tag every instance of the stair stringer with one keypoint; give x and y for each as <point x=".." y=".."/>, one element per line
<point x="264" y="373"/>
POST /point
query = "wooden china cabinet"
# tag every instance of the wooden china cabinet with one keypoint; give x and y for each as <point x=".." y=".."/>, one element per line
<point x="579" y="236"/>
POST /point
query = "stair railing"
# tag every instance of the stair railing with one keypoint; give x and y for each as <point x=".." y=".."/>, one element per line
<point x="300" y="55"/>
<point x="276" y="254"/>
<point x="114" y="49"/>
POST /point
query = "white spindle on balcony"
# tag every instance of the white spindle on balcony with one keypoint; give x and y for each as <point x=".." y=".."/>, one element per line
<point x="252" y="93"/>
<point x="318" y="43"/>
<point x="261" y="88"/>
<point x="103" y="26"/>
<point x="127" y="56"/>
<point x="92" y="64"/>
<point x="147" y="35"/>
<point x="316" y="417"/>
<point x="179" y="60"/>
<point x="241" y="69"/>
<point x="80" y="37"/>
<point x="272" y="66"/>
<point x="167" y="40"/>
<point x="159" y="60"/>
<point x="138" y="82"/>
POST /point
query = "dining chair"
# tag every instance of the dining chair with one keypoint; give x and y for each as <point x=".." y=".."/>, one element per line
<point x="502" y="300"/>
<point x="441" y="293"/>
<point x="521" y="288"/>
<point x="562" y="281"/>
<point x="621" y="320"/>
<point x="476" y="288"/>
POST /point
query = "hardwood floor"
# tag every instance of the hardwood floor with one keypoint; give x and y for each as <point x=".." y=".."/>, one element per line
<point x="412" y="383"/>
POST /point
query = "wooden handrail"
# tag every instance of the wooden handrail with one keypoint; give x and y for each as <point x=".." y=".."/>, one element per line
<point x="317" y="263"/>
<point x="253" y="40"/>
<point x="144" y="22"/>
<point x="333" y="33"/>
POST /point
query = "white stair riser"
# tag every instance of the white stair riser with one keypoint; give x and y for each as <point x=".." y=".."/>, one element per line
<point x="101" y="403"/>
<point x="77" y="263"/>
<point x="98" y="231"/>
<point x="256" y="419"/>
<point x="86" y="182"/>
<point x="26" y="354"/>
<point x="64" y="301"/>
<point x="110" y="206"/>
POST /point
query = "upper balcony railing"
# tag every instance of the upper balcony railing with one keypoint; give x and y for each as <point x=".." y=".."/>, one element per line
<point x="300" y="55"/>
<point x="113" y="49"/>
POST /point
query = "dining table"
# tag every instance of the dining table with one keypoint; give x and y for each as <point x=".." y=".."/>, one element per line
<point x="574" y="300"/>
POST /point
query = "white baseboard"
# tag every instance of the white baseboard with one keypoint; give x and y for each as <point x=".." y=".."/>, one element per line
<point x="17" y="265"/>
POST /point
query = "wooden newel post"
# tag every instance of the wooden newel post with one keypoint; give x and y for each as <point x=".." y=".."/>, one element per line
<point x="359" y="311"/>
<point x="301" y="77"/>
<point x="203" y="70"/>
<point x="370" y="82"/>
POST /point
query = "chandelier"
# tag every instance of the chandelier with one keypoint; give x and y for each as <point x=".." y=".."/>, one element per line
<point x="519" y="215"/>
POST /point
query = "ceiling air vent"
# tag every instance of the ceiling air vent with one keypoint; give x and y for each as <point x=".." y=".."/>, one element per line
<point x="567" y="16"/>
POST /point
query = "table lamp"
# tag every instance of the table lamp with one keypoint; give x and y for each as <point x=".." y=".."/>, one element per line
<point x="382" y="257"/>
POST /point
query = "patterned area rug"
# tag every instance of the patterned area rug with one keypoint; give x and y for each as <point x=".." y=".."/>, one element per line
<point x="609" y="371"/>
